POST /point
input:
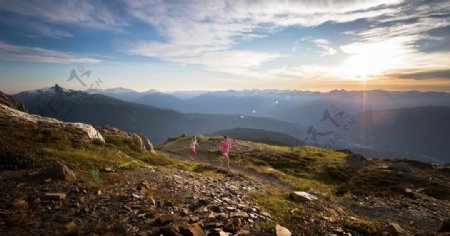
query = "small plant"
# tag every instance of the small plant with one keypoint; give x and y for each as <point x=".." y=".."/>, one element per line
<point x="95" y="173"/>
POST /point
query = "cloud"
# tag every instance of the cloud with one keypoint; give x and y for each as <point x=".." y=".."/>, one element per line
<point x="422" y="75"/>
<point x="9" y="52"/>
<point x="394" y="46"/>
<point x="325" y="46"/>
<point x="94" y="14"/>
<point x="197" y="31"/>
<point x="47" y="31"/>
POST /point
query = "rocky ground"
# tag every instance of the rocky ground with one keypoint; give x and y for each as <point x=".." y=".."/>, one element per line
<point x="145" y="201"/>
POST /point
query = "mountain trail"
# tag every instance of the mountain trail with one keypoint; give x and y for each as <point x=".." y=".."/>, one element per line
<point x="262" y="178"/>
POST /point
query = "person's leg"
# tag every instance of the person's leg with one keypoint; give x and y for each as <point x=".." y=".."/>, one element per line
<point x="227" y="160"/>
<point x="192" y="153"/>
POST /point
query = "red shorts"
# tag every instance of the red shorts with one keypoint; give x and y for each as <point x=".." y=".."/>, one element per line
<point x="193" y="151"/>
<point x="224" y="151"/>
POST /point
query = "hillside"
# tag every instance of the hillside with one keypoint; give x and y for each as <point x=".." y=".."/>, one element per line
<point x="72" y="178"/>
<point x="355" y="194"/>
<point x="157" y="124"/>
<point x="9" y="101"/>
<point x="420" y="133"/>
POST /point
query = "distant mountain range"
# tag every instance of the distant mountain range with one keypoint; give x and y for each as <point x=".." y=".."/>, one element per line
<point x="413" y="125"/>
<point x="157" y="124"/>
<point x="300" y="107"/>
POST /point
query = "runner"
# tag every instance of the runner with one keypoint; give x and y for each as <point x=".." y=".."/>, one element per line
<point x="192" y="147"/>
<point x="225" y="146"/>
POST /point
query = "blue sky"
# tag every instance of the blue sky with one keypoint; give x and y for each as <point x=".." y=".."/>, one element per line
<point x="219" y="45"/>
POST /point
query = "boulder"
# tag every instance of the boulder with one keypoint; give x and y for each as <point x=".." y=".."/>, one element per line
<point x="282" y="231"/>
<point x="146" y="143"/>
<point x="59" y="171"/>
<point x="303" y="197"/>
<point x="89" y="130"/>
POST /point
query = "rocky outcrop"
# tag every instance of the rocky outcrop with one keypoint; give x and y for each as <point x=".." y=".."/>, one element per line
<point x="14" y="114"/>
<point x="10" y="102"/>
<point x="143" y="144"/>
<point x="89" y="130"/>
<point x="147" y="145"/>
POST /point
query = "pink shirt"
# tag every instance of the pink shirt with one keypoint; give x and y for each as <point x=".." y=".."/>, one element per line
<point x="225" y="145"/>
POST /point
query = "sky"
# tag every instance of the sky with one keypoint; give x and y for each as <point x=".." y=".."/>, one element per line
<point x="318" y="45"/>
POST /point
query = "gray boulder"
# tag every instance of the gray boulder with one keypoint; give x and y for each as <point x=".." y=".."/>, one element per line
<point x="303" y="197"/>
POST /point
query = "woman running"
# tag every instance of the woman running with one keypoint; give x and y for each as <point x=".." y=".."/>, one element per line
<point x="225" y="146"/>
<point x="192" y="147"/>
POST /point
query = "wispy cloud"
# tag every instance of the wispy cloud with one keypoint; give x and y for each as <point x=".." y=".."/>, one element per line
<point x="197" y="31"/>
<point x="95" y="14"/>
<point x="9" y="52"/>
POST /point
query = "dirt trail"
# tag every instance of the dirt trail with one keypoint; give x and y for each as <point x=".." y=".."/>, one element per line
<point x="263" y="178"/>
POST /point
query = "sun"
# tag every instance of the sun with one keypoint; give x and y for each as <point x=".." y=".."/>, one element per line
<point x="367" y="60"/>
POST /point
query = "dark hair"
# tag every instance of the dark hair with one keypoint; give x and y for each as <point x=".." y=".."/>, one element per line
<point x="225" y="136"/>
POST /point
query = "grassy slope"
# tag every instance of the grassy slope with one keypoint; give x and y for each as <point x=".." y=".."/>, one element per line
<point x="334" y="176"/>
<point x="337" y="177"/>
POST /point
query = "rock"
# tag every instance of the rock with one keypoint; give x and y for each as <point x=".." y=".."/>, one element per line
<point x="281" y="231"/>
<point x="152" y="201"/>
<point x="194" y="219"/>
<point x="165" y="219"/>
<point x="303" y="197"/>
<point x="71" y="227"/>
<point x="169" y="231"/>
<point x="218" y="233"/>
<point x="393" y="229"/>
<point x="212" y="216"/>
<point x="107" y="169"/>
<point x="445" y="228"/>
<point x="21" y="204"/>
<point x="204" y="202"/>
<point x="59" y="171"/>
<point x="266" y="214"/>
<point x="193" y="230"/>
<point x="215" y="209"/>
<point x="409" y="193"/>
<point x="37" y="201"/>
<point x="240" y="214"/>
<point x="147" y="144"/>
<point x="168" y="203"/>
<point x="89" y="130"/>
<point x="53" y="196"/>
<point x="144" y="184"/>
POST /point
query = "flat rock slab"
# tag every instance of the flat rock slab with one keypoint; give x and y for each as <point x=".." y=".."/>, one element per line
<point x="300" y="196"/>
